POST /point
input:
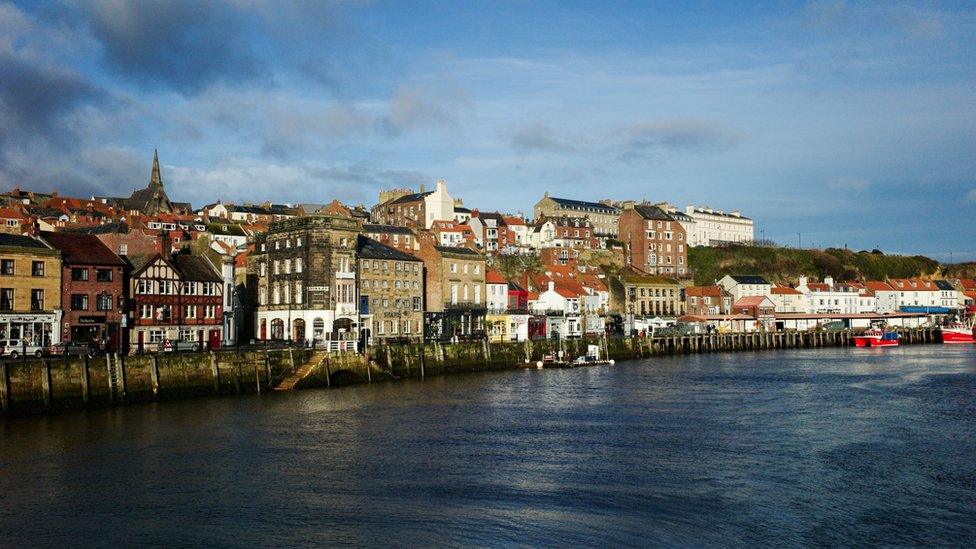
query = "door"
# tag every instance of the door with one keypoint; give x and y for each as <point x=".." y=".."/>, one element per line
<point x="214" y="339"/>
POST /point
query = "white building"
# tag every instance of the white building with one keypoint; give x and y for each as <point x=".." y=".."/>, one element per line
<point x="787" y="300"/>
<point x="714" y="227"/>
<point x="916" y="293"/>
<point x="827" y="297"/>
<point x="438" y="205"/>
<point x="497" y="288"/>
<point x="740" y="286"/>
<point x="885" y="297"/>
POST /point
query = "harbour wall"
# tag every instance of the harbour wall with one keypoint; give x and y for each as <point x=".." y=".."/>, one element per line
<point x="40" y="386"/>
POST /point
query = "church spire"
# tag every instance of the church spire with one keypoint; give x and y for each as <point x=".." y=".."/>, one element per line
<point x="156" y="179"/>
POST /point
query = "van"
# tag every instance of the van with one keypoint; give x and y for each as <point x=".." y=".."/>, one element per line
<point x="14" y="348"/>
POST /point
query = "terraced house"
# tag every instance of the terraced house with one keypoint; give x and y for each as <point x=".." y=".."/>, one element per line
<point x="604" y="217"/>
<point x="306" y="281"/>
<point x="454" y="291"/>
<point x="391" y="292"/>
<point x="30" y="290"/>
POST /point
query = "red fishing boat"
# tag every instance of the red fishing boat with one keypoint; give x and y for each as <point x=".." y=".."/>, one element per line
<point x="958" y="332"/>
<point x="876" y="337"/>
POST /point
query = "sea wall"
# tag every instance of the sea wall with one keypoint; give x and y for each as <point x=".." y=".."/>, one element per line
<point x="35" y="386"/>
<point x="38" y="386"/>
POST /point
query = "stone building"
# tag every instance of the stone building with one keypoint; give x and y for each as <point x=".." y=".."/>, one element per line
<point x="92" y="291"/>
<point x="391" y="292"/>
<point x="394" y="236"/>
<point x="177" y="298"/>
<point x="653" y="241"/>
<point x="642" y="294"/>
<point x="716" y="227"/>
<point x="603" y="216"/>
<point x="306" y="280"/>
<point x="151" y="200"/>
<point x="454" y="291"/>
<point x="30" y="290"/>
<point x="707" y="300"/>
<point x="417" y="210"/>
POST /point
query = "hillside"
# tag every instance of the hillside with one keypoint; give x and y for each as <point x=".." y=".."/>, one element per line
<point x="783" y="265"/>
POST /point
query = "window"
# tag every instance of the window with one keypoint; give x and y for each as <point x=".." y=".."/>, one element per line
<point x="79" y="274"/>
<point x="6" y="298"/>
<point x="146" y="311"/>
<point x="210" y="311"/>
<point x="143" y="287"/>
<point x="103" y="275"/>
<point x="37" y="268"/>
<point x="477" y="294"/>
<point x="209" y="288"/>
<point x="263" y="296"/>
<point x="277" y="268"/>
<point x="103" y="302"/>
<point x="453" y="267"/>
<point x="263" y="269"/>
<point x="165" y="287"/>
<point x="190" y="311"/>
<point x="298" y="264"/>
<point x="416" y="303"/>
<point x="155" y="336"/>
<point x="37" y="299"/>
<point x="79" y="302"/>
<point x="123" y="249"/>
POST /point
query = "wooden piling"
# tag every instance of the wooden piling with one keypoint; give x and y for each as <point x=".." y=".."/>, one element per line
<point x="4" y="389"/>
<point x="215" y="372"/>
<point x="85" y="380"/>
<point x="154" y="376"/>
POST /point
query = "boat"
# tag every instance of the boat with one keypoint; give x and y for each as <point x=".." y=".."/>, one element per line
<point x="551" y="360"/>
<point x="876" y="337"/>
<point x="958" y="332"/>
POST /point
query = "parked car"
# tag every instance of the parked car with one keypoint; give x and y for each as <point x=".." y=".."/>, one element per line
<point x="68" y="348"/>
<point x="177" y="346"/>
<point x="834" y="326"/>
<point x="14" y="348"/>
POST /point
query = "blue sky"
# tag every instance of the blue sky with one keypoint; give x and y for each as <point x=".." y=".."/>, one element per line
<point x="853" y="123"/>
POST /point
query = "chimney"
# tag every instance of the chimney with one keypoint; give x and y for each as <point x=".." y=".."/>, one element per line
<point x="802" y="282"/>
<point x="829" y="281"/>
<point x="422" y="191"/>
<point x="441" y="186"/>
<point x="552" y="285"/>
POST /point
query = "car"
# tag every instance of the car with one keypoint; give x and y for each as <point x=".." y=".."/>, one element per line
<point x="176" y="346"/>
<point x="14" y="348"/>
<point x="69" y="348"/>
<point x="834" y="326"/>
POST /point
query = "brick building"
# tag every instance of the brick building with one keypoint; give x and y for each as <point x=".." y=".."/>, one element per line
<point x="92" y="291"/>
<point x="417" y="210"/>
<point x="643" y="294"/>
<point x="30" y="290"/>
<point x="707" y="300"/>
<point x="391" y="292"/>
<point x="396" y="237"/>
<point x="454" y="291"/>
<point x="603" y="216"/>
<point x="653" y="241"/>
<point x="175" y="299"/>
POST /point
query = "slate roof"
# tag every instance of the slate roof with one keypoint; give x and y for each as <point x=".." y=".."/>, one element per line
<point x="21" y="241"/>
<point x="456" y="250"/>
<point x="583" y="205"/>
<point x="392" y="229"/>
<point x="652" y="212"/>
<point x="137" y="262"/>
<point x="80" y="248"/>
<point x="195" y="267"/>
<point x="944" y="285"/>
<point x="749" y="279"/>
<point x="367" y="248"/>
<point x="412" y="197"/>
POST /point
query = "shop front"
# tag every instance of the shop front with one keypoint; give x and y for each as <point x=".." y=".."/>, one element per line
<point x="34" y="328"/>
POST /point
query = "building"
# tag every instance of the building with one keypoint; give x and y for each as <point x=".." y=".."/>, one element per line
<point x="740" y="286"/>
<point x="915" y="295"/>
<point x="92" y="291"/>
<point x="417" y="210"/>
<point x="497" y="289"/>
<point x="829" y="297"/>
<point x="653" y="241"/>
<point x="649" y="295"/>
<point x="602" y="216"/>
<point x="563" y="232"/>
<point x="30" y="290"/>
<point x="454" y="291"/>
<point x="490" y="231"/>
<point x="306" y="281"/>
<point x="179" y="298"/>
<point x="787" y="300"/>
<point x="949" y="297"/>
<point x="885" y="297"/>
<point x="758" y="307"/>
<point x="716" y="227"/>
<point x="398" y="238"/>
<point x="707" y="301"/>
<point x="151" y="200"/>
<point x="452" y="233"/>
<point x="391" y="292"/>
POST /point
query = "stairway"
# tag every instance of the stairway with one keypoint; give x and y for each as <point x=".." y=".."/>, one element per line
<point x="302" y="372"/>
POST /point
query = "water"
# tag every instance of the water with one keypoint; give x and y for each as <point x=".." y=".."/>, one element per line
<point x="818" y="447"/>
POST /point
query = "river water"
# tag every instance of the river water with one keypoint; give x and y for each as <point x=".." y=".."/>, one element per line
<point x="804" y="447"/>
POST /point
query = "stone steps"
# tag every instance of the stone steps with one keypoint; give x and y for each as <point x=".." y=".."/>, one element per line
<point x="301" y="373"/>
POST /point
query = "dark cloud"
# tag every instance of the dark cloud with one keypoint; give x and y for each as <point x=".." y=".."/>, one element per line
<point x="184" y="45"/>
<point x="35" y="97"/>
<point x="678" y="134"/>
<point x="414" y="107"/>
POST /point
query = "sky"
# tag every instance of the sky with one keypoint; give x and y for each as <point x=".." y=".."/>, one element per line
<point x="835" y="123"/>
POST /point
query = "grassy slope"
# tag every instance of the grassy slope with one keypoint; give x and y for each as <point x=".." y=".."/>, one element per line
<point x="783" y="265"/>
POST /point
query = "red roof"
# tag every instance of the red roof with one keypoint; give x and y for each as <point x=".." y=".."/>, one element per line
<point x="968" y="284"/>
<point x="878" y="286"/>
<point x="494" y="277"/>
<point x="818" y="287"/>
<point x="913" y="285"/>
<point x="81" y="249"/>
<point x="751" y="301"/>
<point x="785" y="290"/>
<point x="705" y="291"/>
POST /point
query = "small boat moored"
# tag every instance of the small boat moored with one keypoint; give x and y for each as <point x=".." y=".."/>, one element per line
<point x="958" y="332"/>
<point x="877" y="337"/>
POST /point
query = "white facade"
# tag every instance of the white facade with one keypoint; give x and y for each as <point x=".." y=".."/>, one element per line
<point x="497" y="297"/>
<point x="713" y="227"/>
<point x="745" y="286"/>
<point x="788" y="300"/>
<point x="438" y="205"/>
